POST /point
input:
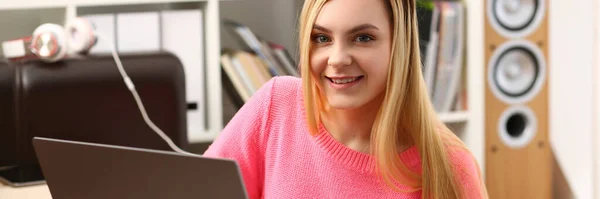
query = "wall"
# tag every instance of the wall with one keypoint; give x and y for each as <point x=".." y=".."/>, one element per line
<point x="571" y="79"/>
<point x="596" y="131"/>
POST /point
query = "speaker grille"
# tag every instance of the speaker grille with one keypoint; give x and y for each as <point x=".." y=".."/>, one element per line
<point x="515" y="18"/>
<point x="516" y="71"/>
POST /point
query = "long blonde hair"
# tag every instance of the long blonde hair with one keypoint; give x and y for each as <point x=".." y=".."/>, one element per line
<point x="406" y="108"/>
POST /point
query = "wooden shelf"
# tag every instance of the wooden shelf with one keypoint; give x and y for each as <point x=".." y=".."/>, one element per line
<point x="454" y="117"/>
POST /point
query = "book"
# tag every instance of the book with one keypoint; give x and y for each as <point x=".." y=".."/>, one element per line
<point x="285" y="59"/>
<point x="431" y="52"/>
<point x="234" y="79"/>
<point x="450" y="56"/>
<point x="252" y="43"/>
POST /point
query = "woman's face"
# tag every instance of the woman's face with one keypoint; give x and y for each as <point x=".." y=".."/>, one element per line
<point x="350" y="52"/>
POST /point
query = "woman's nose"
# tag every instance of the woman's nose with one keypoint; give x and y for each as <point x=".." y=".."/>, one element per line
<point x="339" y="57"/>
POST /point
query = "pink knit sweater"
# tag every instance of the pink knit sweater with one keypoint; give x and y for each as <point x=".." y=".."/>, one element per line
<point x="278" y="158"/>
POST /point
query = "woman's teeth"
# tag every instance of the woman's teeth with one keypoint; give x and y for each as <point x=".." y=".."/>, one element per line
<point x="344" y="80"/>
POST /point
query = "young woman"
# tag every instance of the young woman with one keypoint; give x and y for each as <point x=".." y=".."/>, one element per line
<point x="358" y="123"/>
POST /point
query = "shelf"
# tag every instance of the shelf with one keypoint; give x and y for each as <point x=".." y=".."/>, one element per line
<point x="31" y="4"/>
<point x="454" y="117"/>
<point x="206" y="136"/>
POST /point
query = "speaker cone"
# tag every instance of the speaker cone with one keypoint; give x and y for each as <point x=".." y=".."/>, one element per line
<point x="517" y="126"/>
<point x="516" y="71"/>
<point x="515" y="18"/>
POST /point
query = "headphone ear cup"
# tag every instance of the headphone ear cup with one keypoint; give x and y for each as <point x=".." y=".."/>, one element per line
<point x="49" y="42"/>
<point x="81" y="35"/>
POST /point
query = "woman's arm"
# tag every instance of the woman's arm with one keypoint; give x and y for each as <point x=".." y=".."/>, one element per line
<point x="244" y="139"/>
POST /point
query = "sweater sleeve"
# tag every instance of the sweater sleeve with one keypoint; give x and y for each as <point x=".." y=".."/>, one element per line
<point x="468" y="174"/>
<point x="243" y="139"/>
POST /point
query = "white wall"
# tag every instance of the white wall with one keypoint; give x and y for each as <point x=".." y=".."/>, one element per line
<point x="596" y="131"/>
<point x="571" y="92"/>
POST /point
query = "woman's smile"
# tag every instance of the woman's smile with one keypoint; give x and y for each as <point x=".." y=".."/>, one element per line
<point x="343" y="82"/>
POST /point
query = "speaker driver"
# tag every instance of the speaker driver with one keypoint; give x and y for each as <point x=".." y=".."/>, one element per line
<point x="517" y="126"/>
<point x="516" y="71"/>
<point x="515" y="18"/>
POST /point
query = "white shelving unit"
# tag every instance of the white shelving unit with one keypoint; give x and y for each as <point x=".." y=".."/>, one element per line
<point x="473" y="134"/>
<point x="455" y="117"/>
<point x="470" y="122"/>
<point x="212" y="48"/>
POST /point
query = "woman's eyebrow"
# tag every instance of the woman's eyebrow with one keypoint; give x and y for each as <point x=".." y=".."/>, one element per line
<point x="351" y="31"/>
<point x="362" y="27"/>
<point x="321" y="28"/>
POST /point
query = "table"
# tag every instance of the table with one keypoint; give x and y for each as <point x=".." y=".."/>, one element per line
<point x="40" y="191"/>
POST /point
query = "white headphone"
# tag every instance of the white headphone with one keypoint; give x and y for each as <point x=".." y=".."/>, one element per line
<point x="51" y="42"/>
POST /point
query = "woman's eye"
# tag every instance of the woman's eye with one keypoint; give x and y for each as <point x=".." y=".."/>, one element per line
<point x="364" y="38"/>
<point x="321" y="39"/>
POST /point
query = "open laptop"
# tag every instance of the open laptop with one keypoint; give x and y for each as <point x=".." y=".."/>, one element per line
<point x="75" y="170"/>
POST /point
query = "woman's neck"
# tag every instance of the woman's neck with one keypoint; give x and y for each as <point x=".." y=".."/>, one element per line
<point x="352" y="127"/>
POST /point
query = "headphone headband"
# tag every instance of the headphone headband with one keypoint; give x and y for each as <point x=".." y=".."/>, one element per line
<point x="17" y="48"/>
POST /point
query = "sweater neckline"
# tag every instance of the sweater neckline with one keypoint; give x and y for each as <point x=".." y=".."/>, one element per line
<point x="360" y="161"/>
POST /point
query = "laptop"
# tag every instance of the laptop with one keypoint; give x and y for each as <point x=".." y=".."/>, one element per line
<point x="75" y="170"/>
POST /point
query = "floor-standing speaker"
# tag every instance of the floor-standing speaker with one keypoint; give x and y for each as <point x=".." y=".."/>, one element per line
<point x="518" y="155"/>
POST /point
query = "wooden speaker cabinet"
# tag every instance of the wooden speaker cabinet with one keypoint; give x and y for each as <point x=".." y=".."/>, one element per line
<point x="518" y="156"/>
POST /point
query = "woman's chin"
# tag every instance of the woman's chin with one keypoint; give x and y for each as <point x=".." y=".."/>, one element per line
<point x="353" y="102"/>
<point x="344" y="104"/>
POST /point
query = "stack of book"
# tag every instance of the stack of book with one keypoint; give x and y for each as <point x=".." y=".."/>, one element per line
<point x="245" y="70"/>
<point x="442" y="32"/>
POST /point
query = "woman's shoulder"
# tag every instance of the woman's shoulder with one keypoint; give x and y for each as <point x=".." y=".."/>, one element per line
<point x="459" y="153"/>
<point x="286" y="84"/>
<point x="464" y="163"/>
<point x="284" y="89"/>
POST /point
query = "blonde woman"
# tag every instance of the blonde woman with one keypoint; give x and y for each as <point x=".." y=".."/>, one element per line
<point x="358" y="123"/>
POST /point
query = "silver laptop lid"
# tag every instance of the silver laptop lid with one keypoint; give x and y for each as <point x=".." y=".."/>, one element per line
<point x="75" y="170"/>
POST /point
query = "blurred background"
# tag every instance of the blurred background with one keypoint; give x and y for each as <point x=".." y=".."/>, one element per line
<point x="517" y="80"/>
